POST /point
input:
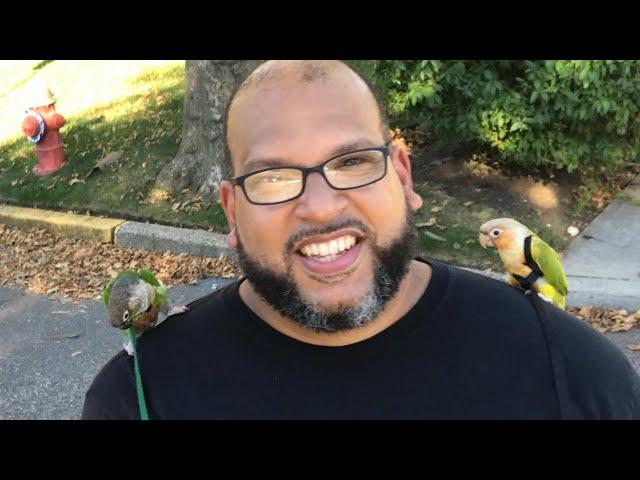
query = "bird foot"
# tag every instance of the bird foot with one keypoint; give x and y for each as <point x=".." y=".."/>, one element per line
<point x="177" y="310"/>
<point x="128" y="346"/>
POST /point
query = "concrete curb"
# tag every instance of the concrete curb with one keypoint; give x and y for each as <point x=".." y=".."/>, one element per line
<point x="177" y="240"/>
<point x="120" y="232"/>
<point x="65" y="224"/>
<point x="584" y="289"/>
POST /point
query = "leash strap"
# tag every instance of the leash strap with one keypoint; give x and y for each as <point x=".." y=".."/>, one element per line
<point x="142" y="405"/>
<point x="536" y="273"/>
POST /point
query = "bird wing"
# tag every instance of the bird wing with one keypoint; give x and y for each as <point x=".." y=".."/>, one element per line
<point x="148" y="277"/>
<point x="160" y="298"/>
<point x="549" y="262"/>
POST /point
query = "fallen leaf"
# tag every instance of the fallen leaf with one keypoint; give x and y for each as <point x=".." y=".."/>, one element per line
<point x="466" y="204"/>
<point x="436" y="209"/>
<point x="429" y="223"/>
<point x="633" y="346"/>
<point x="37" y="260"/>
<point x="434" y="236"/>
<point x="75" y="354"/>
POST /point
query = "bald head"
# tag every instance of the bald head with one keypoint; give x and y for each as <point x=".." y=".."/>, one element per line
<point x="274" y="83"/>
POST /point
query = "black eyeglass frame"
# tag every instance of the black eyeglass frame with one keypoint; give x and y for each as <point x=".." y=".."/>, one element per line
<point x="239" y="180"/>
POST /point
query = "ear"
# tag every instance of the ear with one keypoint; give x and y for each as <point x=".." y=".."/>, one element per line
<point x="402" y="164"/>
<point x="228" y="202"/>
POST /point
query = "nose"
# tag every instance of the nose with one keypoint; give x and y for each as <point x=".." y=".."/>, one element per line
<point x="320" y="203"/>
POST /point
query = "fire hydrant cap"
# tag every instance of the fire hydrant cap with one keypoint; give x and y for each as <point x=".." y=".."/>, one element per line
<point x="42" y="99"/>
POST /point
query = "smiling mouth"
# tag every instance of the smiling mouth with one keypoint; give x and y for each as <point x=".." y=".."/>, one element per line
<point x="329" y="251"/>
<point x="333" y="258"/>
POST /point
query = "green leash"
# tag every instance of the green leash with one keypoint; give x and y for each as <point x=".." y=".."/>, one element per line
<point x="142" y="405"/>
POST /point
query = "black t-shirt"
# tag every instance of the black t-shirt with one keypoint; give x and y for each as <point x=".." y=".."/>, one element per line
<point x="471" y="348"/>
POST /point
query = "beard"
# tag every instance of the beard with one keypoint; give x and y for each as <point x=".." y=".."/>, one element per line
<point x="390" y="266"/>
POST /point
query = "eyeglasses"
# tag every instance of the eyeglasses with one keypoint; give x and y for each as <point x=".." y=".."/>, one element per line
<point x="343" y="172"/>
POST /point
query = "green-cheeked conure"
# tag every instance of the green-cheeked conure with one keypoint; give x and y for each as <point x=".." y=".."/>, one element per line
<point x="135" y="299"/>
<point x="530" y="262"/>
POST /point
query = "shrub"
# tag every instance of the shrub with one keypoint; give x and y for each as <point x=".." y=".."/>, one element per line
<point x="567" y="114"/>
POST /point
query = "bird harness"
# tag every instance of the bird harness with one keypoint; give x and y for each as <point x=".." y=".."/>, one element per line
<point x="38" y="136"/>
<point x="142" y="405"/>
<point x="536" y="273"/>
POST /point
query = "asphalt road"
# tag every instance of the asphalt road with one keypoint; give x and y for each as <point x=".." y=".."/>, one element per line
<point x="50" y="350"/>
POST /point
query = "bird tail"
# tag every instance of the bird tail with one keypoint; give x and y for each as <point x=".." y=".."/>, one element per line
<point x="551" y="293"/>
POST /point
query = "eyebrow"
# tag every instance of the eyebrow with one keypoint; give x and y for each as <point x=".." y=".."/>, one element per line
<point x="256" y="164"/>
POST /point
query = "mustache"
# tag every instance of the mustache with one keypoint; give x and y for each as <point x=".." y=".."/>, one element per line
<point x="330" y="228"/>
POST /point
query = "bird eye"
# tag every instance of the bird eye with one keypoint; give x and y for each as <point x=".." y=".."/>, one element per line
<point x="125" y="315"/>
<point x="495" y="233"/>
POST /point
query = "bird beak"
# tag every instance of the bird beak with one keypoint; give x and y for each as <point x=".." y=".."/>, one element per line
<point x="485" y="241"/>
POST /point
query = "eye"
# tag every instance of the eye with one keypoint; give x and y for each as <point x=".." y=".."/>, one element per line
<point x="352" y="162"/>
<point x="495" y="233"/>
<point x="125" y="316"/>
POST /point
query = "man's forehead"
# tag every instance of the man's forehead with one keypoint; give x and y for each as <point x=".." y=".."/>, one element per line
<point x="289" y="112"/>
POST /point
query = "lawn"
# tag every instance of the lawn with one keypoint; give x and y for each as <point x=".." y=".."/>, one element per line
<point x="130" y="110"/>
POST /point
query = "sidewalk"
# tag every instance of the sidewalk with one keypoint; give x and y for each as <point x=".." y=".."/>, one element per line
<point x="603" y="262"/>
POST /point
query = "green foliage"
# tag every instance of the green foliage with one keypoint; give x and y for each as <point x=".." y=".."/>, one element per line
<point x="571" y="114"/>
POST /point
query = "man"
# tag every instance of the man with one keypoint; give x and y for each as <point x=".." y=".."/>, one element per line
<point x="335" y="318"/>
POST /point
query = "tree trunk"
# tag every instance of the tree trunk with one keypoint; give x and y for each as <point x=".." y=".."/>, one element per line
<point x="208" y="88"/>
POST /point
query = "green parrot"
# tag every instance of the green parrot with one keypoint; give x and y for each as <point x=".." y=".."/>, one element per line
<point x="134" y="301"/>
<point x="541" y="272"/>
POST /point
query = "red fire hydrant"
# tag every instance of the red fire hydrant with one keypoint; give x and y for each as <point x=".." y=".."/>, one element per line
<point x="41" y="126"/>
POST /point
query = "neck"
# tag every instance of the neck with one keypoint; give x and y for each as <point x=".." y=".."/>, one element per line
<point x="412" y="287"/>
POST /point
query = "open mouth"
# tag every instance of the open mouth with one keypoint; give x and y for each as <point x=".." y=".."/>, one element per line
<point x="332" y="256"/>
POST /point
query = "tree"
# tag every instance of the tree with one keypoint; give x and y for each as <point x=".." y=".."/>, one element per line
<point x="208" y="88"/>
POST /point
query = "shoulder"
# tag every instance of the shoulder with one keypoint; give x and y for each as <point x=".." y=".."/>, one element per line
<point x="162" y="349"/>
<point x="109" y="396"/>
<point x="488" y="300"/>
<point x="593" y="377"/>
<point x="600" y="380"/>
<point x="205" y="315"/>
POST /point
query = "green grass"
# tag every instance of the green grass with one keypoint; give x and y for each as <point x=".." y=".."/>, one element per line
<point x="142" y="118"/>
<point x="629" y="199"/>
<point x="458" y="222"/>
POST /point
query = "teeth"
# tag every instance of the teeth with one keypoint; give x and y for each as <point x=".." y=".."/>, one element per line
<point x="329" y="250"/>
<point x="350" y="242"/>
